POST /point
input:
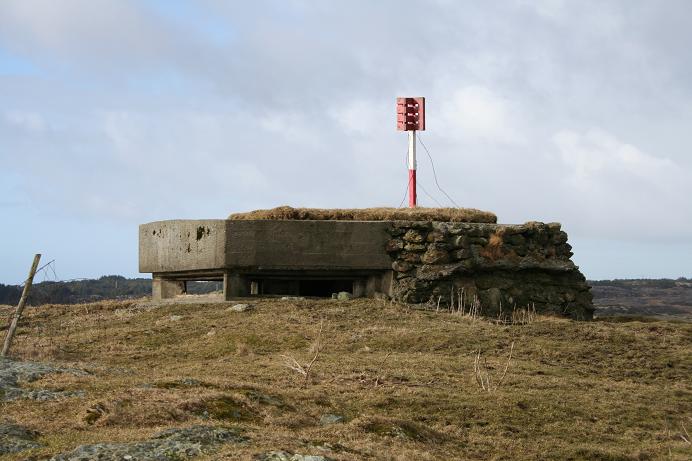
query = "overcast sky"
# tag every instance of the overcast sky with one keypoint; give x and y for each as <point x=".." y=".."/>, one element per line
<point x="119" y="112"/>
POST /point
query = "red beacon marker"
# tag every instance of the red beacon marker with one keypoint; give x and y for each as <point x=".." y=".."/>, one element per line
<point x="410" y="116"/>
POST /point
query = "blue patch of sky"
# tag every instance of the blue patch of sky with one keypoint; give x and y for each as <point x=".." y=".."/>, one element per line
<point x="13" y="64"/>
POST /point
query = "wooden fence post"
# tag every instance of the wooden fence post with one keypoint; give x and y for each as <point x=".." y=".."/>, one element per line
<point x="20" y="307"/>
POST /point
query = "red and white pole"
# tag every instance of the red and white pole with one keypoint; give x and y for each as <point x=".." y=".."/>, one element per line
<point x="410" y="116"/>
<point x="412" y="197"/>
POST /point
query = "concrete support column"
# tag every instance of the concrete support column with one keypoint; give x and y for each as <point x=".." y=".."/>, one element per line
<point x="379" y="283"/>
<point x="162" y="288"/>
<point x="234" y="286"/>
<point x="387" y="281"/>
<point x="359" y="288"/>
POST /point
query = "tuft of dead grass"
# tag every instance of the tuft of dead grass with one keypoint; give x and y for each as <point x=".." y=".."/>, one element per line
<point x="369" y="214"/>
<point x="493" y="250"/>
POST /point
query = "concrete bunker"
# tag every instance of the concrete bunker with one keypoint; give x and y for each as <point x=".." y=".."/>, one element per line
<point x="410" y="257"/>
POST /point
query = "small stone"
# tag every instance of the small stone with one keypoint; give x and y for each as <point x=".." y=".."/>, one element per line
<point x="414" y="247"/>
<point x="516" y="240"/>
<point x="330" y="418"/>
<point x="240" y="308"/>
<point x="435" y="236"/>
<point x="413" y="258"/>
<point x="211" y="332"/>
<point x="175" y="318"/>
<point x="413" y="236"/>
<point x="394" y="245"/>
<point x="553" y="227"/>
<point x="460" y="241"/>
<point x="560" y="238"/>
<point x="464" y="253"/>
<point x="335" y="295"/>
<point x="281" y="455"/>
<point x="401" y="266"/>
<point x="344" y="296"/>
<point x="435" y="256"/>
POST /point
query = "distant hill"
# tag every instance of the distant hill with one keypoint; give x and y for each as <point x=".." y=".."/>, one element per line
<point x="88" y="290"/>
<point x="649" y="297"/>
<point x="643" y="297"/>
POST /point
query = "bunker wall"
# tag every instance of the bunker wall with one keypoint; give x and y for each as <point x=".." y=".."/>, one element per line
<point x="307" y="245"/>
<point x="182" y="245"/>
<point x="497" y="266"/>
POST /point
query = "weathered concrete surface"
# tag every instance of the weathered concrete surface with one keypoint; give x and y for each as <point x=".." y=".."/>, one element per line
<point x="307" y="245"/>
<point x="163" y="289"/>
<point x="182" y="245"/>
<point x="208" y="245"/>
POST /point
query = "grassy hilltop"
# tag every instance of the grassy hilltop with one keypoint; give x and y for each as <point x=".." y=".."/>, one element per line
<point x="403" y="381"/>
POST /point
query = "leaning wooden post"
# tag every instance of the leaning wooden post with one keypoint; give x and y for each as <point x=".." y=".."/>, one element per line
<point x="20" y="307"/>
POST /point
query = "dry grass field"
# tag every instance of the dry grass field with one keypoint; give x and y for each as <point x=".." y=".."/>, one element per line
<point x="402" y="379"/>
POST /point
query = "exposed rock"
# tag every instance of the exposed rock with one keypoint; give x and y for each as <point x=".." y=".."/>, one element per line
<point x="175" y="318"/>
<point x="14" y="438"/>
<point x="12" y="372"/>
<point x="330" y="418"/>
<point x="491" y="298"/>
<point x="344" y="296"/>
<point x="240" y="308"/>
<point x="170" y="445"/>
<point x="281" y="455"/>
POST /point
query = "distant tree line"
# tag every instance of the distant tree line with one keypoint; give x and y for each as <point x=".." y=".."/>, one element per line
<point x="80" y="291"/>
<point x="648" y="283"/>
<point x="118" y="287"/>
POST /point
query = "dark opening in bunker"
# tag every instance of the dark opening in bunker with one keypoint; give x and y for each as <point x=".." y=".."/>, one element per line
<point x="322" y="288"/>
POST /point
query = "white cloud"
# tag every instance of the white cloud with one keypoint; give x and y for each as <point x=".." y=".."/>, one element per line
<point x="599" y="156"/>
<point x="550" y="9"/>
<point x="133" y="116"/>
<point x="476" y="112"/>
<point x="615" y="190"/>
<point x="363" y="117"/>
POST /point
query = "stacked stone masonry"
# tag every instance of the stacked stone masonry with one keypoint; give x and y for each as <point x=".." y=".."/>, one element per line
<point x="500" y="267"/>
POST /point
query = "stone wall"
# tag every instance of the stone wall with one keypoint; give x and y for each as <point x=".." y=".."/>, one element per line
<point x="499" y="266"/>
